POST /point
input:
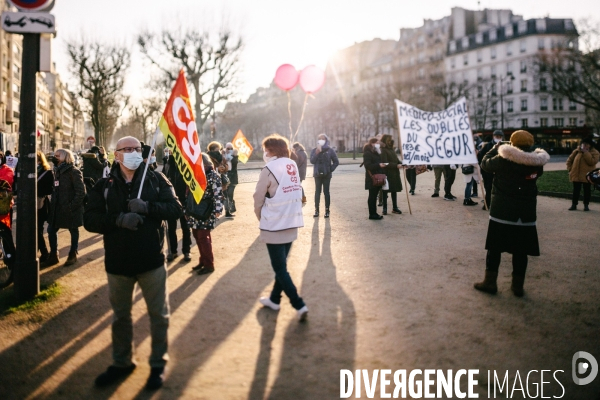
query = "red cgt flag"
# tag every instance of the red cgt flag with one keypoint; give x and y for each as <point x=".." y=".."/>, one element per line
<point x="179" y="129"/>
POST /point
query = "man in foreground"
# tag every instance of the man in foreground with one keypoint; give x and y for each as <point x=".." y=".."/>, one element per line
<point x="133" y="241"/>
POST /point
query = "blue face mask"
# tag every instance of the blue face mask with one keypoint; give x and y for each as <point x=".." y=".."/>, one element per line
<point x="132" y="160"/>
<point x="152" y="160"/>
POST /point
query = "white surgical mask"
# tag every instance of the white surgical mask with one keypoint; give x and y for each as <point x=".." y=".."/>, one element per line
<point x="132" y="160"/>
<point x="321" y="142"/>
<point x="266" y="157"/>
<point x="377" y="145"/>
<point x="497" y="140"/>
<point x="152" y="160"/>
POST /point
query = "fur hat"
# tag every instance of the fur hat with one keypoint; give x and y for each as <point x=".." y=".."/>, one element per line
<point x="521" y="139"/>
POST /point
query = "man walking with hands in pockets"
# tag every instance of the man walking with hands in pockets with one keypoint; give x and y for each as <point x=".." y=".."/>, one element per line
<point x="133" y="232"/>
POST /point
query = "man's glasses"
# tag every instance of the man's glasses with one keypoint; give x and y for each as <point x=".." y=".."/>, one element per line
<point x="130" y="149"/>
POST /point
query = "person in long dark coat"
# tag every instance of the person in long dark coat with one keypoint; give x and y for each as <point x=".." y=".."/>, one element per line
<point x="66" y="205"/>
<point x="301" y="161"/>
<point x="373" y="165"/>
<point x="512" y="227"/>
<point x="45" y="186"/>
<point x="392" y="171"/>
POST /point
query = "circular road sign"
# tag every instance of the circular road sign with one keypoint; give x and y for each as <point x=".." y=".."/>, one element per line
<point x="32" y="5"/>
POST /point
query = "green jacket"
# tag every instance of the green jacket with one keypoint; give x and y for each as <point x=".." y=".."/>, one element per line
<point x="514" y="189"/>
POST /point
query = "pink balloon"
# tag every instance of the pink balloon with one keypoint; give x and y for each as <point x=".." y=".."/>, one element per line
<point x="286" y="77"/>
<point x="312" y="79"/>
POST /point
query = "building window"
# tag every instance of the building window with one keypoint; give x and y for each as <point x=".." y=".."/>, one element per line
<point x="508" y="30"/>
<point x="541" y="44"/>
<point x="508" y="68"/>
<point x="479" y="74"/>
<point x="493" y="72"/>
<point x="544" y="104"/>
<point x="452" y="62"/>
<point x="479" y="124"/>
<point x="522" y="27"/>
<point x="452" y="46"/>
<point x="479" y="56"/>
<point x="524" y="105"/>
<point x="572" y="106"/>
<point x="465" y="59"/>
<point x="16" y="89"/>
<point x="509" y="106"/>
<point x="479" y="109"/>
<point x="494" y="107"/>
<point x="557" y="104"/>
<point x="493" y="87"/>
<point x="479" y="38"/>
<point x="465" y="42"/>
<point x="523" y="65"/>
<point x="572" y="121"/>
<point x="493" y="53"/>
<point x="494" y="124"/>
<point x="543" y="122"/>
<point x="493" y="35"/>
<point x="479" y="91"/>
<point x="559" y="122"/>
<point x="543" y="85"/>
<point x="524" y="123"/>
<point x="523" y="85"/>
<point x="523" y="46"/>
<point x="509" y="87"/>
<point x="509" y="49"/>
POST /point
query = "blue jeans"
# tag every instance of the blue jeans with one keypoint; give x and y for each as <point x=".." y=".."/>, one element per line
<point x="154" y="289"/>
<point x="53" y="238"/>
<point x="283" y="281"/>
<point x="468" y="189"/>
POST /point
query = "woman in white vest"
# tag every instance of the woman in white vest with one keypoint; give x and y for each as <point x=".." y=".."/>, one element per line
<point x="278" y="207"/>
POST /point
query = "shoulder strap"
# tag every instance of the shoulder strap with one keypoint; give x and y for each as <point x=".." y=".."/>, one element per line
<point x="40" y="177"/>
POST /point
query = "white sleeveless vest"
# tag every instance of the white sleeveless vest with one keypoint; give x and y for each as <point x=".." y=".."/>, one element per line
<point x="284" y="210"/>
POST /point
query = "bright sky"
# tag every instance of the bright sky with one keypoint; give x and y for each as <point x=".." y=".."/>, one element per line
<point x="276" y="31"/>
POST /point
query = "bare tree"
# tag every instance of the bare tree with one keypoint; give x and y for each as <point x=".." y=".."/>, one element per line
<point x="573" y="67"/>
<point x="210" y="65"/>
<point x="100" y="71"/>
<point x="147" y="114"/>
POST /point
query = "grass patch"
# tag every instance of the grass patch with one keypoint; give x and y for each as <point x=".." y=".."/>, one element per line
<point x="349" y="155"/>
<point x="10" y="305"/>
<point x="555" y="181"/>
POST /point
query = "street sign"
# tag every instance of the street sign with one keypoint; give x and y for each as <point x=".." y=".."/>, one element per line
<point x="28" y="22"/>
<point x="33" y="5"/>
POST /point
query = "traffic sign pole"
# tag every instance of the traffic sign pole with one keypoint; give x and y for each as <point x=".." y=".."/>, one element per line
<point x="27" y="281"/>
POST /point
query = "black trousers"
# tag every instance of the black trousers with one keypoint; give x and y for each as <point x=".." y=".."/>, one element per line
<point x="519" y="262"/>
<point x="587" y="192"/>
<point x="393" y="195"/>
<point x="372" y="201"/>
<point x="411" y="177"/>
<point x="8" y="244"/>
<point x="172" y="233"/>
<point x="449" y="176"/>
<point x="322" y="184"/>
<point x="488" y="180"/>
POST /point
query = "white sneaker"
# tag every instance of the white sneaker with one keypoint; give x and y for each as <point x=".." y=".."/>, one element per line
<point x="302" y="314"/>
<point x="265" y="301"/>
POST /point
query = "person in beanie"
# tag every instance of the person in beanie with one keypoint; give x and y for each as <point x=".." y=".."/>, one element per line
<point x="580" y="162"/>
<point x="488" y="178"/>
<point x="512" y="226"/>
<point x="325" y="161"/>
<point x="278" y="207"/>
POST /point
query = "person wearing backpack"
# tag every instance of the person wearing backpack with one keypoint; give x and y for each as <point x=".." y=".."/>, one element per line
<point x="133" y="230"/>
<point x="66" y="205"/>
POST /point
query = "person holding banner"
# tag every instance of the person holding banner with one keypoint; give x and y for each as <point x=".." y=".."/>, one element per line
<point x="373" y="165"/>
<point x="512" y="227"/>
<point x="325" y="161"/>
<point x="392" y="171"/>
<point x="232" y="159"/>
<point x="278" y="207"/>
<point x="133" y="231"/>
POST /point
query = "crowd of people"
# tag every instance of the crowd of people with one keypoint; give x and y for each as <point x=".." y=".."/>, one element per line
<point x="103" y="197"/>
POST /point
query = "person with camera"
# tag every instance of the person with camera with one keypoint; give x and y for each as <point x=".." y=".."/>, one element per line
<point x="512" y="227"/>
<point x="325" y="161"/>
<point x="580" y="162"/>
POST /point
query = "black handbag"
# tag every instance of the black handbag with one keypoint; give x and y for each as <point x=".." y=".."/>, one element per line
<point x="468" y="169"/>
<point x="199" y="211"/>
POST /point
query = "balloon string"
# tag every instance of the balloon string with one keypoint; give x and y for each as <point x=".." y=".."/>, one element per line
<point x="301" y="117"/>
<point x="290" y="113"/>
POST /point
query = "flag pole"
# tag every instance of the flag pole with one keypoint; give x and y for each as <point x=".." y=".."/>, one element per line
<point x="401" y="155"/>
<point x="147" y="163"/>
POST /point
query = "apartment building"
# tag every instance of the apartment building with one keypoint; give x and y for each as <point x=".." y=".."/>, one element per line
<point x="498" y="68"/>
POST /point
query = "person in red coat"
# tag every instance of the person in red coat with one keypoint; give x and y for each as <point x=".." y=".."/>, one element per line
<point x="7" y="180"/>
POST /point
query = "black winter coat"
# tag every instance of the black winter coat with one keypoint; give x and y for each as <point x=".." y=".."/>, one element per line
<point x="484" y="150"/>
<point x="130" y="252"/>
<point x="232" y="174"/>
<point x="93" y="167"/>
<point x="371" y="161"/>
<point x="325" y="162"/>
<point x="176" y="179"/>
<point x="514" y="191"/>
<point x="301" y="162"/>
<point x="66" y="205"/>
<point x="392" y="172"/>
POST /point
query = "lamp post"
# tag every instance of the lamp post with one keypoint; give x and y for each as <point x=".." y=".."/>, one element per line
<point x="512" y="78"/>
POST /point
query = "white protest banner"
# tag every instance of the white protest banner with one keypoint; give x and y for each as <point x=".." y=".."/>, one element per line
<point x="439" y="137"/>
